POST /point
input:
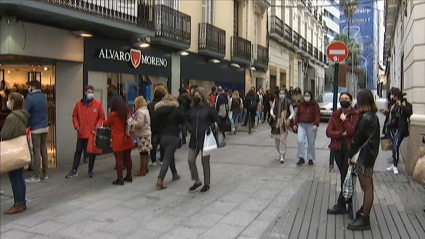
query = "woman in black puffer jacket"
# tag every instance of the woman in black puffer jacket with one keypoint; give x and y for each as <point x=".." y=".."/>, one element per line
<point x="366" y="142"/>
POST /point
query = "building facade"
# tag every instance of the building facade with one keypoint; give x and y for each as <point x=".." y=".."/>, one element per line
<point x="403" y="53"/>
<point x="133" y="45"/>
<point x="229" y="44"/>
<point x="297" y="45"/>
<point x="331" y="17"/>
<point x="363" y="29"/>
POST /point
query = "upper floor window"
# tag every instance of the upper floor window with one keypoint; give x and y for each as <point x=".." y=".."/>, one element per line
<point x="208" y="11"/>
<point x="174" y="4"/>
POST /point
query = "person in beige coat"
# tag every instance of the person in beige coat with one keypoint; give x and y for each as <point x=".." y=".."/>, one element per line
<point x="143" y="133"/>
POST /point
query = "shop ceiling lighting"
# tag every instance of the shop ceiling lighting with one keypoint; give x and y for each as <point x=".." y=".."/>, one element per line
<point x="184" y="53"/>
<point x="215" y="61"/>
<point x="235" y="65"/>
<point x="45" y="68"/>
<point x="144" y="44"/>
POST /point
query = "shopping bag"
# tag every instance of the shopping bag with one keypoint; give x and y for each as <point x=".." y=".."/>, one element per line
<point x="348" y="188"/>
<point x="419" y="171"/>
<point x="386" y="144"/>
<point x="221" y="141"/>
<point x="91" y="146"/>
<point x="103" y="138"/>
<point x="14" y="154"/>
<point x="210" y="144"/>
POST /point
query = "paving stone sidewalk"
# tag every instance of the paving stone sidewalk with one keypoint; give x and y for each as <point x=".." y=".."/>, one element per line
<point x="248" y="190"/>
<point x="397" y="211"/>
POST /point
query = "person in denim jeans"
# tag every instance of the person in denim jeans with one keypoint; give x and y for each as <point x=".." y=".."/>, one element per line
<point x="14" y="127"/>
<point x="236" y="107"/>
<point x="36" y="105"/>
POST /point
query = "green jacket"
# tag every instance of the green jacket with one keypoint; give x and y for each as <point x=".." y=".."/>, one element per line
<point x="15" y="124"/>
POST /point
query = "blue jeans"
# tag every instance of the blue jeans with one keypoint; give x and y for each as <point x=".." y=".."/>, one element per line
<point x="396" y="139"/>
<point x="19" y="188"/>
<point x="306" y="130"/>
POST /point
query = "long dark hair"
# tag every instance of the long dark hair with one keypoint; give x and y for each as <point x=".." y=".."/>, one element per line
<point x="366" y="102"/>
<point x="312" y="99"/>
<point x="118" y="106"/>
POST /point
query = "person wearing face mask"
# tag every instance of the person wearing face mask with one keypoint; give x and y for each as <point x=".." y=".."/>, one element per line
<point x="87" y="115"/>
<point x="282" y="112"/>
<point x="202" y="118"/>
<point x="306" y="123"/>
<point x="341" y="130"/>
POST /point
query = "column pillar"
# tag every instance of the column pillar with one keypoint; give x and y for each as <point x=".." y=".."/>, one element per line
<point x="175" y="73"/>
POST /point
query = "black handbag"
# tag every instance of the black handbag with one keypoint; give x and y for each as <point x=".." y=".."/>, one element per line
<point x="103" y="138"/>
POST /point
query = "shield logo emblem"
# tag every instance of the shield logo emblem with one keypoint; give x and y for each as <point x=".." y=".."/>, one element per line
<point x="135" y="57"/>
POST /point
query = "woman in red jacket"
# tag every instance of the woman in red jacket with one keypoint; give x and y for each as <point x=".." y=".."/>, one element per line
<point x="121" y="142"/>
<point x="307" y="122"/>
<point x="341" y="129"/>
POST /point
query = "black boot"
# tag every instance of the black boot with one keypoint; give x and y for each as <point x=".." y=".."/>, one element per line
<point x="362" y="223"/>
<point x="119" y="181"/>
<point x="337" y="209"/>
<point x="301" y="161"/>
<point x="128" y="178"/>
<point x="358" y="213"/>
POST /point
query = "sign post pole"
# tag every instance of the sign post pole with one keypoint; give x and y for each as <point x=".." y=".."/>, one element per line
<point x="337" y="52"/>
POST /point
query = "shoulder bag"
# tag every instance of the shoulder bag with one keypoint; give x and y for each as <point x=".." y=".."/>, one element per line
<point x="14" y="154"/>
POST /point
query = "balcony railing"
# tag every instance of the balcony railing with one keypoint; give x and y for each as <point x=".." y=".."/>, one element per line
<point x="315" y="13"/>
<point x="288" y="33"/>
<point x="303" y="44"/>
<point x="262" y="55"/>
<point x="241" y="48"/>
<point x="276" y="26"/>
<point x="212" y="38"/>
<point x="320" y="19"/>
<point x="309" y="6"/>
<point x="296" y="40"/>
<point x="172" y="24"/>
<point x="316" y="53"/>
<point x="310" y="49"/>
<point x="320" y="56"/>
<point x="304" y="2"/>
<point x="134" y="12"/>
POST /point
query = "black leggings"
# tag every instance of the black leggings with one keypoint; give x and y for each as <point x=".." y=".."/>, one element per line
<point x="341" y="160"/>
<point x="168" y="146"/>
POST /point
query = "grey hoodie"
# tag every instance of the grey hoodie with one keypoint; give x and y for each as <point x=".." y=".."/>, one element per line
<point x="15" y="124"/>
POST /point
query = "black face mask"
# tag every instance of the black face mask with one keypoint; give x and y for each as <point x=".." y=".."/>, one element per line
<point x="197" y="100"/>
<point x="344" y="104"/>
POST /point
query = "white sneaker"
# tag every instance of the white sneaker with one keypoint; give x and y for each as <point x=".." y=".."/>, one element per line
<point x="389" y="169"/>
<point x="395" y="170"/>
<point x="32" y="180"/>
<point x="282" y="159"/>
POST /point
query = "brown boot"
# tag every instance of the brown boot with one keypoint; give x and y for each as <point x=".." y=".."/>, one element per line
<point x="176" y="177"/>
<point x="15" y="209"/>
<point x="142" y="170"/>
<point x="160" y="184"/>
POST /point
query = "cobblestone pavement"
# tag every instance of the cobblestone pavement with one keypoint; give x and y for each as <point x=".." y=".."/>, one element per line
<point x="248" y="190"/>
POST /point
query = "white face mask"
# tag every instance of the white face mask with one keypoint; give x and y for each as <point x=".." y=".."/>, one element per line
<point x="307" y="98"/>
<point x="89" y="96"/>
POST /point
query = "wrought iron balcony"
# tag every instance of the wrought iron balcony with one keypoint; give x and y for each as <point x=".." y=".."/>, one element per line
<point x="309" y="6"/>
<point x="320" y="57"/>
<point x="261" y="56"/>
<point x="303" y="44"/>
<point x="212" y="41"/>
<point x="316" y="53"/>
<point x="296" y="40"/>
<point x="172" y="28"/>
<point x="303" y="2"/>
<point x="320" y="19"/>
<point x="316" y="13"/>
<point x="241" y="50"/>
<point x="310" y="49"/>
<point x="288" y="34"/>
<point x="123" y="19"/>
<point x="280" y="31"/>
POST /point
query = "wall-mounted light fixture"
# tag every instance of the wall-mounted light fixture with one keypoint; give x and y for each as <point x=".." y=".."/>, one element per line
<point x="184" y="53"/>
<point x="252" y="68"/>
<point x="215" y="61"/>
<point x="82" y="34"/>
<point x="235" y="65"/>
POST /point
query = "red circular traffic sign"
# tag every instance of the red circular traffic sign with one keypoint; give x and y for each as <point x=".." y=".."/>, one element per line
<point x="337" y="52"/>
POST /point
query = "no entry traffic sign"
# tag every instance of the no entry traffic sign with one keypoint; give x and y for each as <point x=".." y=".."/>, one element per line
<point x="337" y="52"/>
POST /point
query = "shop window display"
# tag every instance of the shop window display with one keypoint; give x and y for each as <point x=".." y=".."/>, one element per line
<point x="14" y="78"/>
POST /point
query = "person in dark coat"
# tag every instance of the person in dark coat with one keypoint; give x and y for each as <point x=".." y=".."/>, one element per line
<point x="222" y="101"/>
<point x="158" y="93"/>
<point x="202" y="118"/>
<point x="398" y="125"/>
<point x="251" y="103"/>
<point x="365" y="142"/>
<point x="267" y="102"/>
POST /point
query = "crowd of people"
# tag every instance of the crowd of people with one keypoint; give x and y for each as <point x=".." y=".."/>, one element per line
<point x="166" y="121"/>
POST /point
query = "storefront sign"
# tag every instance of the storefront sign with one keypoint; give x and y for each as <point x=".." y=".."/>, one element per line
<point x="134" y="56"/>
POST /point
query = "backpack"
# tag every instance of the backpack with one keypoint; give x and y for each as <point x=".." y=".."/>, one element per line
<point x="130" y="125"/>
